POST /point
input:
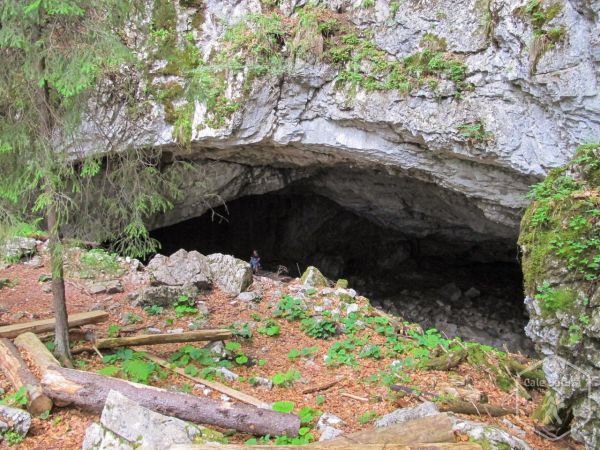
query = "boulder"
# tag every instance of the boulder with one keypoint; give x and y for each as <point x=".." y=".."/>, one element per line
<point x="182" y="268"/>
<point x="312" y="277"/>
<point x="406" y="414"/>
<point x="328" y="426"/>
<point x="105" y="287"/>
<point x="16" y="419"/>
<point x="489" y="437"/>
<point x="230" y="274"/>
<point x="125" y="425"/>
<point x="248" y="297"/>
<point x="162" y="295"/>
<point x="16" y="248"/>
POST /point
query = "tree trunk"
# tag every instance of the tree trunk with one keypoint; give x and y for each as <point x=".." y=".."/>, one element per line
<point x="89" y="391"/>
<point x="61" y="328"/>
<point x="20" y="376"/>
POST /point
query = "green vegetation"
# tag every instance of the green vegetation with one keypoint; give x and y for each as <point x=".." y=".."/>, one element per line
<point x="367" y="417"/>
<point x="561" y="223"/>
<point x="305" y="352"/>
<point x="290" y="308"/>
<point x="286" y="379"/>
<point x="269" y="328"/>
<point x="185" y="306"/>
<point x="154" y="310"/>
<point x="17" y="399"/>
<point x="319" y="328"/>
<point x="475" y="132"/>
<point x="540" y="13"/>
<point x="132" y="365"/>
<point x="552" y="300"/>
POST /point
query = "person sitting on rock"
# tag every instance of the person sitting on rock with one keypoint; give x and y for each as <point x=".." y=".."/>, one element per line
<point x="255" y="261"/>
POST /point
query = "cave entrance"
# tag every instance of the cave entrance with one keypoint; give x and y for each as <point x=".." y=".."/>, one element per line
<point x="471" y="289"/>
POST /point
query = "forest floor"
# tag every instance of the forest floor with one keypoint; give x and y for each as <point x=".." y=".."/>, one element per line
<point x="364" y="359"/>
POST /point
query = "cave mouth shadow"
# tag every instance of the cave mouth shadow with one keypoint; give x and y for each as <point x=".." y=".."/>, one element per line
<point x="468" y="288"/>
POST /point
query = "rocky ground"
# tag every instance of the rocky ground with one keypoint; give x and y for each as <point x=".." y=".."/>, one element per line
<point x="303" y="335"/>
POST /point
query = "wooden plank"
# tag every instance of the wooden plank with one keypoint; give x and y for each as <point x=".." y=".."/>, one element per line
<point x="245" y="398"/>
<point x="217" y="334"/>
<point x="43" y="326"/>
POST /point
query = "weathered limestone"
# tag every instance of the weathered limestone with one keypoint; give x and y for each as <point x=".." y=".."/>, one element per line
<point x="229" y="273"/>
<point x="125" y="425"/>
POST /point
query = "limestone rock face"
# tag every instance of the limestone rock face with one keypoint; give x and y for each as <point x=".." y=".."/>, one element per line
<point x="125" y="425"/>
<point x="182" y="268"/>
<point x="559" y="237"/>
<point x="16" y="248"/>
<point x="229" y="273"/>
<point x="371" y="150"/>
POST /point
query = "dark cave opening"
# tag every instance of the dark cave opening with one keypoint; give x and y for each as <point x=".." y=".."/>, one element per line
<point x="471" y="289"/>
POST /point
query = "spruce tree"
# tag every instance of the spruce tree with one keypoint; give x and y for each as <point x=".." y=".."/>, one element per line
<point x="54" y="54"/>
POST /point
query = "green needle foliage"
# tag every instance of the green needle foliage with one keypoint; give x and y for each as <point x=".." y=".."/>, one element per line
<point x="58" y="56"/>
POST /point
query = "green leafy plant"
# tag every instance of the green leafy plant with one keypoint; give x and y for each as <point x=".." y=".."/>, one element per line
<point x="269" y="328"/>
<point x="113" y="330"/>
<point x="241" y="330"/>
<point x="132" y="318"/>
<point x="290" y="308"/>
<point x="283" y="406"/>
<point x="154" y="310"/>
<point x="367" y="417"/>
<point x="185" y="306"/>
<point x="286" y="379"/>
<point x="98" y="261"/>
<point x="371" y="351"/>
<point x="304" y="352"/>
<point x="320" y="399"/>
<point x="475" y="132"/>
<point x="17" y="398"/>
<point x="319" y="328"/>
<point x="13" y="438"/>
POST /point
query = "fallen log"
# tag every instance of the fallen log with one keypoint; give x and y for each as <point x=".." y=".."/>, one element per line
<point x="319" y="446"/>
<point x="20" y="376"/>
<point x="474" y="409"/>
<point x="245" y="398"/>
<point x="39" y="355"/>
<point x="89" y="391"/>
<point x="217" y="334"/>
<point x="43" y="326"/>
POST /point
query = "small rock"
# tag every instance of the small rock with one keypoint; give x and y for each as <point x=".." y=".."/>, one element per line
<point x="224" y="398"/>
<point x="207" y="392"/>
<point x="248" y="297"/>
<point x="153" y="330"/>
<point x="197" y="324"/>
<point x="352" y="308"/>
<point x="19" y="420"/>
<point x="327" y="291"/>
<point x="328" y="419"/>
<point x="451" y="291"/>
<point x="264" y="382"/>
<point x="227" y="374"/>
<point x="35" y="262"/>
<point x="3" y="427"/>
<point x="106" y="287"/>
<point x="202" y="308"/>
<point x="329" y="433"/>
<point x="175" y="331"/>
<point x="318" y="308"/>
<point x="495" y="437"/>
<point x="472" y="293"/>
<point x="217" y="348"/>
<point x="406" y="414"/>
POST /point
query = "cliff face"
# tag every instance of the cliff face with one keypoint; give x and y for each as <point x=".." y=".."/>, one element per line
<point x="425" y="116"/>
